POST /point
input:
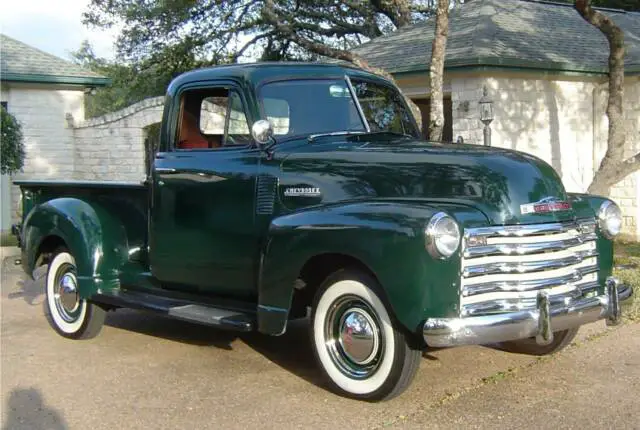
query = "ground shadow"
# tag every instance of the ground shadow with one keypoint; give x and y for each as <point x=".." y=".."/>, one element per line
<point x="30" y="290"/>
<point x="26" y="409"/>
<point x="291" y="351"/>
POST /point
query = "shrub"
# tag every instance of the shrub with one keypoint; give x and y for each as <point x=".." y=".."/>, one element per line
<point x="12" y="154"/>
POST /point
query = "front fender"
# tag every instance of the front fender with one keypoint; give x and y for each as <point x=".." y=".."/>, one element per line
<point x="95" y="238"/>
<point x="387" y="237"/>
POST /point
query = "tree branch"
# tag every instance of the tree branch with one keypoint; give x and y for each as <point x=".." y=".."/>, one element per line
<point x="270" y="16"/>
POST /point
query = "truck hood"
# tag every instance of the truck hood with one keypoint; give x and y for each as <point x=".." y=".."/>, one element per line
<point x="496" y="181"/>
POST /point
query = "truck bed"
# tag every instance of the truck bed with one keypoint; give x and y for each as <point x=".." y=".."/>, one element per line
<point x="127" y="201"/>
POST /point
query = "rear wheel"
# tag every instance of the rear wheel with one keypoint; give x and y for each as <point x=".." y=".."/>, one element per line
<point x="67" y="313"/>
<point x="363" y="353"/>
<point x="561" y="339"/>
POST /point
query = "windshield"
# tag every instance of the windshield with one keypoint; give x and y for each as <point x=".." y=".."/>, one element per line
<point x="318" y="106"/>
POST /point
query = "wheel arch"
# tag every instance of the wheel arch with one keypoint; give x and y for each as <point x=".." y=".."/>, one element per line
<point x="317" y="269"/>
<point x="47" y="246"/>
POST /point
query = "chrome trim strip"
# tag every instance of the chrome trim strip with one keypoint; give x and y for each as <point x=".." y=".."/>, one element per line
<point x="521" y="230"/>
<point x="358" y="105"/>
<point x="528" y="285"/>
<point x="486" y="329"/>
<point x="514" y="305"/>
<point x="526" y="266"/>
<point x="520" y="248"/>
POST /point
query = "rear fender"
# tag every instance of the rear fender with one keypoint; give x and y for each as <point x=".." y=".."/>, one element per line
<point x="95" y="238"/>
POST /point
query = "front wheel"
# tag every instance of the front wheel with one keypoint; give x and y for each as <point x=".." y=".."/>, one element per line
<point x="360" y="349"/>
<point x="67" y="313"/>
<point x="561" y="339"/>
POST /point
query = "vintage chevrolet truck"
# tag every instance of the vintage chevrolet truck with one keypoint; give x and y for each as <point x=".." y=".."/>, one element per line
<point x="281" y="191"/>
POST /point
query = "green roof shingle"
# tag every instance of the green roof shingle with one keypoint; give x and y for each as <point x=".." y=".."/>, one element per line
<point x="23" y="63"/>
<point x="524" y="34"/>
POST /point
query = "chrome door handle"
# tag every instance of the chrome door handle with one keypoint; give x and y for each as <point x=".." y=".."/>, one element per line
<point x="165" y="170"/>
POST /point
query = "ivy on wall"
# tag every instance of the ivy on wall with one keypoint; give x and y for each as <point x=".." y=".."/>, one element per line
<point x="12" y="153"/>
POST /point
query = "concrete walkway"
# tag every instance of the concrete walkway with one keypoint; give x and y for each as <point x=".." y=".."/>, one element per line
<point x="144" y="371"/>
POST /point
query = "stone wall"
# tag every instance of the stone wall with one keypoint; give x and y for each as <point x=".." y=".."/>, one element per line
<point x="561" y="121"/>
<point x="111" y="147"/>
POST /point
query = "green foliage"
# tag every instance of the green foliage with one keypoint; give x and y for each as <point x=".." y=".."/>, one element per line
<point x="160" y="40"/>
<point x="627" y="261"/>
<point x="130" y="83"/>
<point x="12" y="155"/>
<point x="632" y="5"/>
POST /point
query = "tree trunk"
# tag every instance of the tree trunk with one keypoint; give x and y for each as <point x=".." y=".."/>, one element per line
<point x="613" y="167"/>
<point x="436" y="70"/>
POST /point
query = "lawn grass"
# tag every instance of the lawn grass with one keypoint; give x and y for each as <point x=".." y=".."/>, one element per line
<point x="627" y="261"/>
<point x="7" y="239"/>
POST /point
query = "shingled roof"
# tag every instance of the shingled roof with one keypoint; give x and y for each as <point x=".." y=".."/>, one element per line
<point x="516" y="34"/>
<point x="20" y="62"/>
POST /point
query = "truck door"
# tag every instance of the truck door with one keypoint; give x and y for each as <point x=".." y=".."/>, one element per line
<point x="202" y="233"/>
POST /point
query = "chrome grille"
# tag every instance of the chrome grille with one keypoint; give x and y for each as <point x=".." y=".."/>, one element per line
<point x="504" y="268"/>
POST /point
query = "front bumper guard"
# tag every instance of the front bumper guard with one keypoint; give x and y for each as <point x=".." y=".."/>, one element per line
<point x="539" y="323"/>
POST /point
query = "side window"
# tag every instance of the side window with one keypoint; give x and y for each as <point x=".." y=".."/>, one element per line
<point x="383" y="108"/>
<point x="211" y="118"/>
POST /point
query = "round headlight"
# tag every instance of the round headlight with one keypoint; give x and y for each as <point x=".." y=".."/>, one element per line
<point x="609" y="219"/>
<point x="442" y="236"/>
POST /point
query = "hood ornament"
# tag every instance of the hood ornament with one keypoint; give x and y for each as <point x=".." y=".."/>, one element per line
<point x="545" y="205"/>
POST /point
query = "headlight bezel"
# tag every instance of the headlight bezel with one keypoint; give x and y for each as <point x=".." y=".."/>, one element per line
<point x="603" y="219"/>
<point x="433" y="233"/>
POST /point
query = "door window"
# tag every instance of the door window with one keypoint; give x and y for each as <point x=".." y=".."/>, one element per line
<point x="212" y="118"/>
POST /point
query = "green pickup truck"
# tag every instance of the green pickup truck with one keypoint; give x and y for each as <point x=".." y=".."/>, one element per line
<point x="281" y="191"/>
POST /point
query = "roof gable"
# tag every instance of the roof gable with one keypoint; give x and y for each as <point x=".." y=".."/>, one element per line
<point x="509" y="33"/>
<point x="23" y="63"/>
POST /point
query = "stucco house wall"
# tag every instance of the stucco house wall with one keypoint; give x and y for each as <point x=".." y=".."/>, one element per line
<point x="49" y="144"/>
<point x="561" y="120"/>
<point x="42" y="91"/>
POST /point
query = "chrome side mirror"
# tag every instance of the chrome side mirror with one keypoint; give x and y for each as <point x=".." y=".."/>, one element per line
<point x="261" y="131"/>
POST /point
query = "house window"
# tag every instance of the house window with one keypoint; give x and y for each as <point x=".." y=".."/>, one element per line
<point x="425" y="108"/>
<point x="4" y="105"/>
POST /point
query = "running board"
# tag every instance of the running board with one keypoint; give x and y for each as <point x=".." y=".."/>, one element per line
<point x="179" y="309"/>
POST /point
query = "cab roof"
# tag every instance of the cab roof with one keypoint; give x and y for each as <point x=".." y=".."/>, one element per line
<point x="255" y="73"/>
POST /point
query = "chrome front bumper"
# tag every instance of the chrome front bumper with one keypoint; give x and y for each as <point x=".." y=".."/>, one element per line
<point x="539" y="323"/>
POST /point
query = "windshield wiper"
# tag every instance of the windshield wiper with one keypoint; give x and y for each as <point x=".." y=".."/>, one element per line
<point x="313" y="137"/>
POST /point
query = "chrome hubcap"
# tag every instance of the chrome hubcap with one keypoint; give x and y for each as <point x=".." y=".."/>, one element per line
<point x="354" y="339"/>
<point x="359" y="338"/>
<point x="66" y="294"/>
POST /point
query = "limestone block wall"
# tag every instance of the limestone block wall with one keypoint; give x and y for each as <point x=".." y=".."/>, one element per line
<point x="111" y="147"/>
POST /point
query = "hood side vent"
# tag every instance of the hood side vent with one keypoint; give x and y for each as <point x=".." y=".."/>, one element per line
<point x="266" y="194"/>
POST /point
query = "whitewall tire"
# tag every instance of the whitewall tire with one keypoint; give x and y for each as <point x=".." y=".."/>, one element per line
<point x="356" y="342"/>
<point x="67" y="313"/>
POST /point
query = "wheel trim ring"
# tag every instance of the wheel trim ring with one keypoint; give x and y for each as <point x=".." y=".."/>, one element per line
<point x="341" y="358"/>
<point x="68" y="315"/>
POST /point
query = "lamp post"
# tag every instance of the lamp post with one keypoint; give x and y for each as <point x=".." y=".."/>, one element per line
<point x="486" y="115"/>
